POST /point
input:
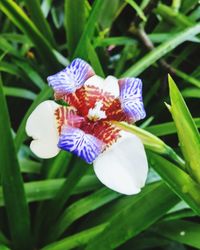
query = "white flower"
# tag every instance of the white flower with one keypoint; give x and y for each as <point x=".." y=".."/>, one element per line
<point x="85" y="127"/>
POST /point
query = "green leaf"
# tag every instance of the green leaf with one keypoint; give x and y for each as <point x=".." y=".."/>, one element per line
<point x="18" y="38"/>
<point x="191" y="93"/>
<point x="3" y="247"/>
<point x="185" y="232"/>
<point x="151" y="141"/>
<point x="59" y="165"/>
<point x="31" y="73"/>
<point x="93" y="57"/>
<point x="76" y="240"/>
<point x="81" y="50"/>
<point x="39" y="20"/>
<point x="11" y="69"/>
<point x="187" y="78"/>
<point x="46" y="6"/>
<point x="29" y="166"/>
<point x="108" y="14"/>
<point x="167" y="128"/>
<point x="47" y="189"/>
<point x="137" y="214"/>
<point x="138" y="10"/>
<point x="173" y="16"/>
<point x="178" y="180"/>
<point x="187" y="131"/>
<point x="4" y="240"/>
<point x="51" y="210"/>
<point x="104" y="42"/>
<point x="74" y="23"/>
<point x="19" y="92"/>
<point x="12" y="183"/>
<point x="162" y="50"/>
<point x="80" y="208"/>
<point x="21" y="20"/>
<point x="7" y="47"/>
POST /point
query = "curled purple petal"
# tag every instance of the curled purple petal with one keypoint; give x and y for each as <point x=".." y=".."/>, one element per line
<point x="131" y="98"/>
<point x="71" y="78"/>
<point x="86" y="146"/>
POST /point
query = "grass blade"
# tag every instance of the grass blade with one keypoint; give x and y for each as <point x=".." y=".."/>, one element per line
<point x="162" y="50"/>
<point x="52" y="209"/>
<point x="187" y="131"/>
<point x="74" y="23"/>
<point x="31" y="73"/>
<point x="76" y="240"/>
<point x="125" y="224"/>
<point x="12" y="183"/>
<point x="185" y="232"/>
<point x="81" y="208"/>
<point x="151" y="142"/>
<point x="19" y="92"/>
<point x="21" y="20"/>
<point x="81" y="50"/>
<point x="178" y="180"/>
<point x="167" y="128"/>
<point x="138" y="10"/>
<point x="39" y="20"/>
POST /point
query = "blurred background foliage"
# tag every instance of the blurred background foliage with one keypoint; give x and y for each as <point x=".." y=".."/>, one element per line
<point x="59" y="204"/>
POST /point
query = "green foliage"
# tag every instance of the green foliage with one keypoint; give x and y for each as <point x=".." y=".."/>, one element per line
<point x="186" y="129"/>
<point x="12" y="184"/>
<point x="59" y="204"/>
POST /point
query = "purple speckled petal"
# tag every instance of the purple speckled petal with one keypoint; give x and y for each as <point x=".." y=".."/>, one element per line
<point x="131" y="98"/>
<point x="86" y="146"/>
<point x="71" y="78"/>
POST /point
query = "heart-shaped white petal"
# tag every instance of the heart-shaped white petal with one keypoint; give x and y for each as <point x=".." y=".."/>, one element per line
<point x="41" y="126"/>
<point x="110" y="84"/>
<point x="123" y="167"/>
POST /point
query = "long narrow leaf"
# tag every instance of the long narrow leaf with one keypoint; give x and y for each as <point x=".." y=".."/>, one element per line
<point x="19" y="92"/>
<point x="182" y="231"/>
<point x="74" y="22"/>
<point x="21" y="20"/>
<point x="167" y="128"/>
<point x="162" y="50"/>
<point x="81" y="49"/>
<point x="188" y="134"/>
<point x="125" y="223"/>
<point x="178" y="180"/>
<point x="12" y="182"/>
<point x="80" y="208"/>
<point x="39" y="20"/>
<point x="50" y="211"/>
<point x="76" y="240"/>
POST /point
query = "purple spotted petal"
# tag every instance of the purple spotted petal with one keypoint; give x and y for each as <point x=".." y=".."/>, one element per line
<point x="131" y="98"/>
<point x="78" y="142"/>
<point x="71" y="78"/>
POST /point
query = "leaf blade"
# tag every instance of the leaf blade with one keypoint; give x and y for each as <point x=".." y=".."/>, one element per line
<point x="187" y="131"/>
<point x="12" y="183"/>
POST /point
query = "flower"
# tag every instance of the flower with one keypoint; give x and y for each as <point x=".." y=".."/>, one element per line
<point x="85" y="127"/>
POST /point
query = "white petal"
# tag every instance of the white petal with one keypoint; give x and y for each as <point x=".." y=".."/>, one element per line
<point x="95" y="80"/>
<point x="41" y="126"/>
<point x="110" y="84"/>
<point x="123" y="167"/>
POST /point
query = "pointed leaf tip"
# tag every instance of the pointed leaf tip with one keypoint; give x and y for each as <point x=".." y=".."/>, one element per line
<point x="187" y="131"/>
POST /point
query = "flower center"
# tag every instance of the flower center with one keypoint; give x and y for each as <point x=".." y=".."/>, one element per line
<point x="96" y="113"/>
